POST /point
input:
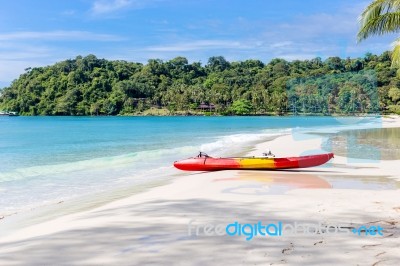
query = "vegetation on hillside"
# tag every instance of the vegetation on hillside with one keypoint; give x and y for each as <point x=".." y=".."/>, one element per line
<point x="92" y="86"/>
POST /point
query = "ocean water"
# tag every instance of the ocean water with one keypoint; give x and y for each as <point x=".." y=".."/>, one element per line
<point x="45" y="160"/>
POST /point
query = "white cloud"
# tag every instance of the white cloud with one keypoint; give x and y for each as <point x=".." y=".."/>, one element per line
<point x="297" y="56"/>
<point x="102" y="7"/>
<point x="199" y="45"/>
<point x="22" y="49"/>
<point x="330" y="33"/>
<point x="281" y="44"/>
<point x="16" y="57"/>
<point x="322" y="24"/>
<point x="23" y="54"/>
<point x="11" y="69"/>
<point x="58" y="35"/>
<point x="321" y="34"/>
<point x="108" y="6"/>
<point x="302" y="37"/>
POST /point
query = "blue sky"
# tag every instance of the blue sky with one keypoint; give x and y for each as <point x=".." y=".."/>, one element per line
<point x="42" y="32"/>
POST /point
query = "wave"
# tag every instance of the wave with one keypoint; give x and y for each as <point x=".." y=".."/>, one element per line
<point x="154" y="159"/>
<point x="25" y="187"/>
<point x="143" y="160"/>
<point x="229" y="145"/>
<point x="98" y="164"/>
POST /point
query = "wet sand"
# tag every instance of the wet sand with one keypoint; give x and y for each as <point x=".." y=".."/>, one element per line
<point x="372" y="144"/>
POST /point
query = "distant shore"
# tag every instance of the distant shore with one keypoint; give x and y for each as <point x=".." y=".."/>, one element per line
<point x="164" y="112"/>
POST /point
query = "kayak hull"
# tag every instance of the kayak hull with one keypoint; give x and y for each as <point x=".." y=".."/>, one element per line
<point x="251" y="163"/>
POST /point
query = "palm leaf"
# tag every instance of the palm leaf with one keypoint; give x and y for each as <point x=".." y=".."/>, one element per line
<point x="385" y="23"/>
<point x="372" y="11"/>
<point x="396" y="54"/>
<point x="377" y="19"/>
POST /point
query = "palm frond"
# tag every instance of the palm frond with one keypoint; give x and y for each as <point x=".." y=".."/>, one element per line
<point x="372" y="11"/>
<point x="396" y="53"/>
<point x="385" y="23"/>
<point x="376" y="18"/>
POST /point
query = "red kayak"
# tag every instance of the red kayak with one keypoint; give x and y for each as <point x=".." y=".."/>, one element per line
<point x="203" y="162"/>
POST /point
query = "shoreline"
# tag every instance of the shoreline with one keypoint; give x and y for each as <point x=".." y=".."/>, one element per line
<point x="335" y="115"/>
<point x="124" y="229"/>
<point x="392" y="121"/>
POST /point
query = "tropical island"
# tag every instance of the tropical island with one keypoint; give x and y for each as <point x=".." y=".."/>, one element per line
<point x="92" y="86"/>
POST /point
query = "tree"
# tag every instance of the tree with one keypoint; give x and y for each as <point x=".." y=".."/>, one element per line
<point x="394" y="94"/>
<point x="91" y="86"/>
<point x="381" y="17"/>
<point x="241" y="107"/>
<point x="217" y="63"/>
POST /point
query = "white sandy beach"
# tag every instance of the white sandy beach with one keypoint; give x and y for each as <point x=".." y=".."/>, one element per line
<point x="151" y="228"/>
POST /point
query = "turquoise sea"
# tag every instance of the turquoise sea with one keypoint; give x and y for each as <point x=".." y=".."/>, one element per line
<point x="45" y="160"/>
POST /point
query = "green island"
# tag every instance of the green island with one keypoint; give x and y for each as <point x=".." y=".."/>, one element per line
<point x="92" y="86"/>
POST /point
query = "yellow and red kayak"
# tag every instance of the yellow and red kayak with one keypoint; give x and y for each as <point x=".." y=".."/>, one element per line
<point x="206" y="163"/>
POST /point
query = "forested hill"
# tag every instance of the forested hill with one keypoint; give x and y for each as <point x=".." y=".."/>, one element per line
<point x="92" y="86"/>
